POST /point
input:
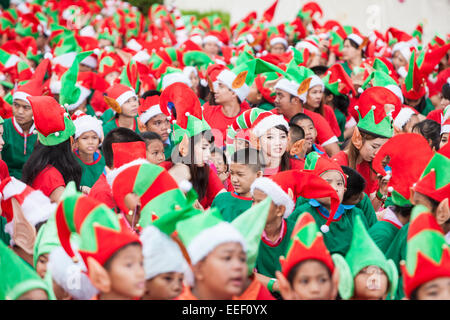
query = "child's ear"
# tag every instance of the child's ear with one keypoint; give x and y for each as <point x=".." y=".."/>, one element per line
<point x="142" y="127"/>
<point x="24" y="232"/>
<point x="198" y="271"/>
<point x="284" y="286"/>
<point x="443" y="212"/>
<point x="98" y="275"/>
<point x="280" y="210"/>
<point x="335" y="282"/>
<point x="357" y="139"/>
<point x="72" y="141"/>
<point x="183" y="146"/>
<point x="397" y="130"/>
<point x="297" y="147"/>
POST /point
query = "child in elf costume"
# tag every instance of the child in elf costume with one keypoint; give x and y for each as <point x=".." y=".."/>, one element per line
<point x="336" y="227"/>
<point x="110" y="250"/>
<point x="88" y="138"/>
<point x="406" y="165"/>
<point x="308" y="271"/>
<point x="310" y="133"/>
<point x="245" y="167"/>
<point x="426" y="270"/>
<point x="365" y="273"/>
<point x="155" y="147"/>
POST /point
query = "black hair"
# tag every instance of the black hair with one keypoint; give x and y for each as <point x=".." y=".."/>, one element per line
<point x="150" y="93"/>
<point x="356" y="46"/>
<point x="319" y="70"/>
<point x="340" y="102"/>
<point x="59" y="156"/>
<point x="355" y="182"/>
<point x="404" y="211"/>
<point x="203" y="92"/>
<point x="446" y="91"/>
<point x="108" y="263"/>
<point x="293" y="272"/>
<point x="297" y="132"/>
<point x="300" y="116"/>
<point x="249" y="157"/>
<point x="430" y="130"/>
<point x="413" y="295"/>
<point x="117" y="135"/>
<point x="149" y="136"/>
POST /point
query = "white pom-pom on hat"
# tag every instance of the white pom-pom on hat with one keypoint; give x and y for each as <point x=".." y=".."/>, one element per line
<point x="356" y="107"/>
<point x="56" y="134"/>
<point x="35" y="132"/>
<point x="48" y="55"/>
<point x="390" y="189"/>
<point x="360" y="90"/>
<point x="324" y="228"/>
<point x="373" y="107"/>
<point x="185" y="186"/>
<point x="187" y="114"/>
<point x="97" y="51"/>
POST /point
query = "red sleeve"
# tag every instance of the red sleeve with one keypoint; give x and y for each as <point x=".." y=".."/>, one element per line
<point x="325" y="135"/>
<point x="166" y="164"/>
<point x="214" y="186"/>
<point x="102" y="192"/>
<point x="48" y="180"/>
<point x="332" y="121"/>
<point x="297" y="164"/>
<point x="4" y="173"/>
<point x="341" y="158"/>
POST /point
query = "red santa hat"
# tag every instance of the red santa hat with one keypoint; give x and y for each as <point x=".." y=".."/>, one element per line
<point x="117" y="95"/>
<point x="149" y="108"/>
<point x="267" y="120"/>
<point x="403" y="116"/>
<point x="285" y="187"/>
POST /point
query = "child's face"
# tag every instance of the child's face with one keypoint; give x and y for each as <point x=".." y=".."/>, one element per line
<point x="165" y="286"/>
<point x="335" y="180"/>
<point x="242" y="177"/>
<point x="314" y="97"/>
<point x="277" y="49"/>
<point x="211" y="48"/>
<point x="254" y="97"/>
<point x="155" y="152"/>
<point x="88" y="142"/>
<point x="241" y="144"/>
<point x="371" y="283"/>
<point x="274" y="143"/>
<point x="112" y="76"/>
<point x="275" y="212"/>
<point x="202" y="152"/>
<point x="130" y="107"/>
<point x="220" y="165"/>
<point x="312" y="282"/>
<point x="127" y="273"/>
<point x="309" y="129"/>
<point x="160" y="125"/>
<point x="437" y="289"/>
<point x="444" y="140"/>
<point x="41" y="265"/>
<point x="370" y="148"/>
<point x="223" y="271"/>
<point x="223" y="94"/>
<point x="411" y="123"/>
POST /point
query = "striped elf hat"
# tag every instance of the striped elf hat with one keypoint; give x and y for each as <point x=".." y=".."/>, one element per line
<point x="179" y="99"/>
<point x="101" y="231"/>
<point x="435" y="179"/>
<point x="306" y="243"/>
<point x="373" y="116"/>
<point x="427" y="252"/>
<point x="267" y="120"/>
<point x="406" y="163"/>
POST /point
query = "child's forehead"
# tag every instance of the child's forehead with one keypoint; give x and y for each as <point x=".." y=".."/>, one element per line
<point x="155" y="143"/>
<point x="88" y="133"/>
<point x="332" y="174"/>
<point x="304" y="122"/>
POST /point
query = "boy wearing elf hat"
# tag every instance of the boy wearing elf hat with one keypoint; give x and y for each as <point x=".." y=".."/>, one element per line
<point x="87" y="140"/>
<point x="431" y="191"/>
<point x="124" y="101"/>
<point x="426" y="269"/>
<point x="336" y="226"/>
<point x="365" y="273"/>
<point x="308" y="271"/>
<point x="283" y="188"/>
<point x="106" y="245"/>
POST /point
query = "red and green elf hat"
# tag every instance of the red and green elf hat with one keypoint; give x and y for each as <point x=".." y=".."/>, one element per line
<point x="435" y="179"/>
<point x="373" y="115"/>
<point x="406" y="163"/>
<point x="117" y="95"/>
<point x="126" y="152"/>
<point x="109" y="63"/>
<point x="189" y="120"/>
<point x="101" y="231"/>
<point x="306" y="243"/>
<point x="28" y="25"/>
<point x="337" y="81"/>
<point x="309" y="11"/>
<point x="52" y="122"/>
<point x="427" y="253"/>
<point x="130" y="76"/>
<point x="414" y="86"/>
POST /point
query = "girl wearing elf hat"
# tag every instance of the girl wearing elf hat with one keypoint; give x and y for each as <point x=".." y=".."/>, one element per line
<point x="52" y="164"/>
<point x="87" y="140"/>
<point x="124" y="101"/>
<point x="353" y="52"/>
<point x="308" y="271"/>
<point x="377" y="106"/>
<point x="192" y="140"/>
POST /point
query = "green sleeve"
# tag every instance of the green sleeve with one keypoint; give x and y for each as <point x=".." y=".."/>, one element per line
<point x="3" y="235"/>
<point x="342" y="120"/>
<point x="266" y="106"/>
<point x="369" y="212"/>
<point x="428" y="108"/>
<point x="397" y="252"/>
<point x="90" y="111"/>
<point x="383" y="233"/>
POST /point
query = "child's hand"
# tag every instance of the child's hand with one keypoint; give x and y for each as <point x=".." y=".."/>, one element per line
<point x="85" y="190"/>
<point x="198" y="206"/>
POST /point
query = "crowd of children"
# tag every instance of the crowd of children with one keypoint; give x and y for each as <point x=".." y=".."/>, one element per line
<point x="157" y="156"/>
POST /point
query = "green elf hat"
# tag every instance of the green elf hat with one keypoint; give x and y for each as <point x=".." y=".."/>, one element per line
<point x="8" y="60"/>
<point x="52" y="122"/>
<point x="46" y="239"/>
<point x="28" y="25"/>
<point x="435" y="179"/>
<point x="338" y="82"/>
<point x="189" y="119"/>
<point x="363" y="252"/>
<point x="306" y="243"/>
<point x="171" y="76"/>
<point x="17" y="277"/>
<point x="130" y="76"/>
<point x="71" y="95"/>
<point x="406" y="163"/>
<point x="197" y="59"/>
<point x="374" y="115"/>
<point x="381" y="79"/>
<point x="101" y="231"/>
<point x="427" y="252"/>
<point x="251" y="224"/>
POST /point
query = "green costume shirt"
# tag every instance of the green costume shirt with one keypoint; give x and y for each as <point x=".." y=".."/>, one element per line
<point x="347" y="68"/>
<point x="339" y="237"/>
<point x="18" y="146"/>
<point x="268" y="260"/>
<point x="231" y="205"/>
<point x="91" y="171"/>
<point x="367" y="208"/>
<point x="90" y="111"/>
<point x="113" y="124"/>
<point x="428" y="108"/>
<point x="266" y="106"/>
<point x="342" y="120"/>
<point x="397" y="252"/>
<point x="3" y="235"/>
<point x="383" y="233"/>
